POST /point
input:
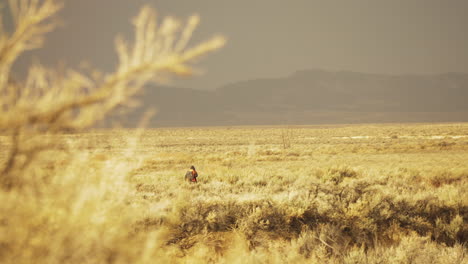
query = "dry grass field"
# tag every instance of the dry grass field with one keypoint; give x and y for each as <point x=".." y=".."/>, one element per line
<point x="315" y="194"/>
<point x="319" y="194"/>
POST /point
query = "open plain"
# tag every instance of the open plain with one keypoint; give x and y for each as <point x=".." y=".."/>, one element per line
<point x="387" y="193"/>
<point x="393" y="193"/>
<point x="371" y="193"/>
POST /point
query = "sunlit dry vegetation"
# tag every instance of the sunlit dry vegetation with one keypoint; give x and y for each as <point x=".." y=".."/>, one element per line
<point x="336" y="194"/>
<point x="50" y="102"/>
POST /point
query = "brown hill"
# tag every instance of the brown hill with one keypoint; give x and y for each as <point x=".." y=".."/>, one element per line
<point x="311" y="97"/>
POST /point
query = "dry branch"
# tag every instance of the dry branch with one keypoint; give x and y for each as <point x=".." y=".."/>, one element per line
<point x="50" y="102"/>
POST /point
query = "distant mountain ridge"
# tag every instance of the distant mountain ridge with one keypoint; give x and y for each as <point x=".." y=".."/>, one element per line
<point x="310" y="97"/>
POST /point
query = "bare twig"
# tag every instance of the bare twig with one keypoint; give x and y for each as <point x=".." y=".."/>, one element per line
<point x="50" y="102"/>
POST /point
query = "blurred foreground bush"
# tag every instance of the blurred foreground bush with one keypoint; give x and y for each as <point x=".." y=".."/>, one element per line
<point x="50" y="102"/>
<point x="65" y="200"/>
<point x="59" y="203"/>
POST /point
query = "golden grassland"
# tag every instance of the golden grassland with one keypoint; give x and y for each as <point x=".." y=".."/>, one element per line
<point x="393" y="193"/>
<point x="336" y="194"/>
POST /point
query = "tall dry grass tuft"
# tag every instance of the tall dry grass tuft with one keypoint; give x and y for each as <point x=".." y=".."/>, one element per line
<point x="63" y="201"/>
<point x="49" y="102"/>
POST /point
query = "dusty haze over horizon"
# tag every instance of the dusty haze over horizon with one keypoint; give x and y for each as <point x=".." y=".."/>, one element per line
<point x="272" y="38"/>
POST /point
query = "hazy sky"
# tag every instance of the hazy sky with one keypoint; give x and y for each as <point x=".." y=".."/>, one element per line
<point x="268" y="38"/>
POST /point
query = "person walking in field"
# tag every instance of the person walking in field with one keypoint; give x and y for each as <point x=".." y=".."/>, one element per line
<point x="191" y="175"/>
